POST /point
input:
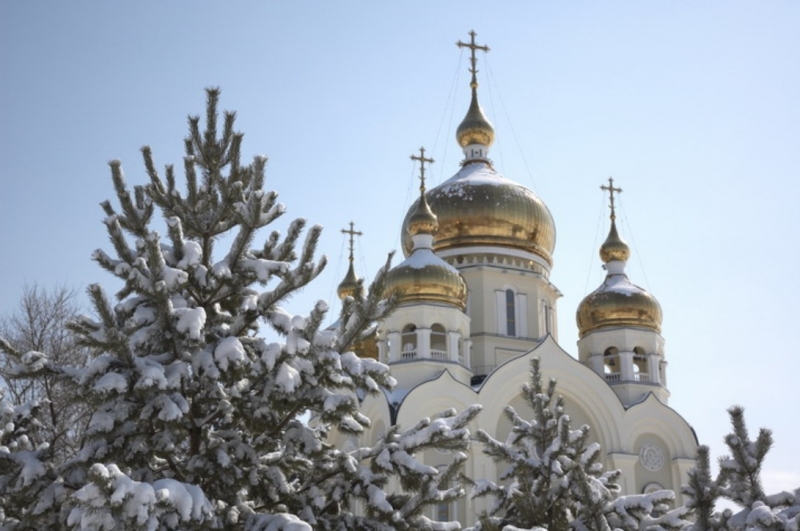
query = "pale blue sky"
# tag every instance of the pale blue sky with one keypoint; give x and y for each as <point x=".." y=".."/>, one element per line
<point x="691" y="106"/>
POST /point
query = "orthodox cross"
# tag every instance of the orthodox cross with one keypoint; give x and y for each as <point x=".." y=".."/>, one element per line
<point x="472" y="46"/>
<point x="352" y="234"/>
<point x="422" y="160"/>
<point x="610" y="189"/>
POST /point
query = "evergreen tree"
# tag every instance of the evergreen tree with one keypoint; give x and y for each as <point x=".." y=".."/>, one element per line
<point x="554" y="479"/>
<point x="739" y="481"/>
<point x="197" y="418"/>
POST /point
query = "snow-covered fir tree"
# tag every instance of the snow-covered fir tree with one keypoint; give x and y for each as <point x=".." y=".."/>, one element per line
<point x="739" y="480"/>
<point x="197" y="417"/>
<point x="554" y="479"/>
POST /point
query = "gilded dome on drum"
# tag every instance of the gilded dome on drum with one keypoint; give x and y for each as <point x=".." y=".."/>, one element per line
<point x="618" y="302"/>
<point x="480" y="207"/>
<point x="423" y="276"/>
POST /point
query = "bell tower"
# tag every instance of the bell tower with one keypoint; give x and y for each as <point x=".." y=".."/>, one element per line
<point x="620" y="325"/>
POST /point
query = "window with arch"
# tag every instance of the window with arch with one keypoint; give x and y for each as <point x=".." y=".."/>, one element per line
<point x="408" y="342"/>
<point x="611" y="366"/>
<point x="438" y="342"/>
<point x="511" y="313"/>
<point x="640" y="373"/>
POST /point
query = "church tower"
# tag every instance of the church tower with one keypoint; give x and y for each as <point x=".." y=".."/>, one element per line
<point x="620" y="326"/>
<point x="500" y="236"/>
<point x="429" y="331"/>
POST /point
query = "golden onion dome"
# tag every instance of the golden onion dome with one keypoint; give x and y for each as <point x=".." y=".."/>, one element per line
<point x="424" y="277"/>
<point x="421" y="219"/>
<point x="350" y="286"/>
<point x="618" y="302"/>
<point x="475" y="128"/>
<point x="480" y="207"/>
<point x="614" y="248"/>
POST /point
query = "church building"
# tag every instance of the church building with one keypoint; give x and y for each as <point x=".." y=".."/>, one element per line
<point x="476" y="305"/>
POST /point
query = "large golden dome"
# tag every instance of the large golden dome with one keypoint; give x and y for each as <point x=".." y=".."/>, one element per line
<point x="618" y="302"/>
<point x="480" y="207"/>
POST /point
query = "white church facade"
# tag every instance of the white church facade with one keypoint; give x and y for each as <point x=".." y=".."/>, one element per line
<point x="476" y="305"/>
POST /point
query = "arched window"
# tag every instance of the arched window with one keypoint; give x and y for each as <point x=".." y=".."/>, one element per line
<point x="611" y="364"/>
<point x="511" y="314"/>
<point x="438" y="342"/>
<point x="408" y="342"/>
<point x="640" y="373"/>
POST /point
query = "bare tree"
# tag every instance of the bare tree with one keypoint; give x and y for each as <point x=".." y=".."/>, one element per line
<point x="39" y="324"/>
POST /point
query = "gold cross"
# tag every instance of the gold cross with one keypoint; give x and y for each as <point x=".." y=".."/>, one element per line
<point x="352" y="233"/>
<point x="422" y="160"/>
<point x="610" y="189"/>
<point x="472" y="46"/>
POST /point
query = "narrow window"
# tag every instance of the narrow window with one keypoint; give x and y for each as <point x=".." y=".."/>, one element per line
<point x="511" y="318"/>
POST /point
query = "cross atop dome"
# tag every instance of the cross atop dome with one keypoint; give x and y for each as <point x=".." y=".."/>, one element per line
<point x="614" y="249"/>
<point x="610" y="189"/>
<point x="350" y="286"/>
<point x="422" y="160"/>
<point x="473" y="60"/>
<point x="352" y="233"/>
<point x="423" y="220"/>
<point x="475" y="134"/>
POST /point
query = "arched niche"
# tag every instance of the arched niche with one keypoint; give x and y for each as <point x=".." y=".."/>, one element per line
<point x="654" y="462"/>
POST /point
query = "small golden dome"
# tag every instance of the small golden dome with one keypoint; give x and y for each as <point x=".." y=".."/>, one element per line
<point x="422" y="220"/>
<point x="480" y="207"/>
<point x="424" y="277"/>
<point x="614" y="248"/>
<point x="475" y="128"/>
<point x="349" y="287"/>
<point x="619" y="303"/>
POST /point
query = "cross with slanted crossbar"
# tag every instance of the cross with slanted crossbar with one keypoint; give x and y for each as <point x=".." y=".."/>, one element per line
<point x="422" y="160"/>
<point x="352" y="234"/>
<point x="473" y="60"/>
<point x="610" y="189"/>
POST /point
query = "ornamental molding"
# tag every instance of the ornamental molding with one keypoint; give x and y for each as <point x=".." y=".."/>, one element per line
<point x="651" y="457"/>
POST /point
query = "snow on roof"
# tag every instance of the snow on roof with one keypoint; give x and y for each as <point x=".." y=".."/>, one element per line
<point x="477" y="173"/>
<point x="619" y="283"/>
<point x="422" y="258"/>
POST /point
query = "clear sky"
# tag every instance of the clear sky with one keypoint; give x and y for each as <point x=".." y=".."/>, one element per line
<point x="692" y="107"/>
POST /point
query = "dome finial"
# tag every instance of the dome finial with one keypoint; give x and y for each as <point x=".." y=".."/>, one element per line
<point x="610" y="189"/>
<point x="617" y="302"/>
<point x="475" y="134"/>
<point x="423" y="220"/>
<point x="473" y="60"/>
<point x="422" y="160"/>
<point x="614" y="249"/>
<point x="349" y="286"/>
